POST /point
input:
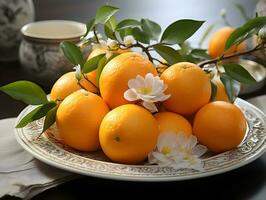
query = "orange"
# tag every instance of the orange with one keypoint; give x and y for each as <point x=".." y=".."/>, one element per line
<point x="116" y="74"/>
<point x="128" y="133"/>
<point x="68" y="84"/>
<point x="78" y="119"/>
<point x="99" y="51"/>
<point x="173" y="123"/>
<point x="218" y="41"/>
<point x="221" y="93"/>
<point x="189" y="87"/>
<point x="220" y="126"/>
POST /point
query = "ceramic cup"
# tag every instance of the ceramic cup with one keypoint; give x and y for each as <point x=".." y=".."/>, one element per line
<point x="39" y="52"/>
<point x="13" y="15"/>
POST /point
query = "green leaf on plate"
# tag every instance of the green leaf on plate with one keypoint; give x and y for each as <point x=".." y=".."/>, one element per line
<point x="151" y="28"/>
<point x="244" y="32"/>
<point x="169" y="54"/>
<point x="72" y="52"/>
<point x="228" y="83"/>
<point x="26" y="91"/>
<point x="127" y="23"/>
<point x="109" y="27"/>
<point x="89" y="26"/>
<point x="92" y="63"/>
<point x="238" y="73"/>
<point x="140" y="35"/>
<point x="104" y="13"/>
<point x="36" y="113"/>
<point x="50" y="118"/>
<point x="213" y="90"/>
<point x="179" y="31"/>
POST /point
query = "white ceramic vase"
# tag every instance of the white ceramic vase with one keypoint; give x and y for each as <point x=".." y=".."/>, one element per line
<point x="13" y="15"/>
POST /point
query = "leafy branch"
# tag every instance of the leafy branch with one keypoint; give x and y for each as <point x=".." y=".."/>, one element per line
<point x="259" y="47"/>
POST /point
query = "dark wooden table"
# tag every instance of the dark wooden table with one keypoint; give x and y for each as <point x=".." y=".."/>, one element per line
<point x="248" y="182"/>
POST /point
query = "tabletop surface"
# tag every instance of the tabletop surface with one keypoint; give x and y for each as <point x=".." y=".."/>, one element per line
<point x="248" y="182"/>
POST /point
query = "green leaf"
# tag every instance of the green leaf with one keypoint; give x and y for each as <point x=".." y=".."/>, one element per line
<point x="36" y="113"/>
<point x="228" y="83"/>
<point x="244" y="32"/>
<point x="127" y="23"/>
<point x="26" y="91"/>
<point x="242" y="11"/>
<point x="102" y="62"/>
<point x="140" y="35"/>
<point x="125" y="32"/>
<point x="151" y="28"/>
<point x="104" y="13"/>
<point x="200" y="53"/>
<point x="169" y="54"/>
<point x="238" y="73"/>
<point x="72" y="52"/>
<point x="179" y="31"/>
<point x="109" y="28"/>
<point x="90" y="24"/>
<point x="185" y="48"/>
<point x="206" y="34"/>
<point x="213" y="90"/>
<point x="50" y="118"/>
<point x="92" y="63"/>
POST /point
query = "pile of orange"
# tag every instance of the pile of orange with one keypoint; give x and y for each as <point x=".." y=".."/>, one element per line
<point x="102" y="119"/>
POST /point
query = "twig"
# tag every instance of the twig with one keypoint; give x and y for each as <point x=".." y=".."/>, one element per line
<point x="256" y="48"/>
<point x="95" y="34"/>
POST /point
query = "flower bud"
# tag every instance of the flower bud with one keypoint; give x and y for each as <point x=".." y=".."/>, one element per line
<point x="78" y="73"/>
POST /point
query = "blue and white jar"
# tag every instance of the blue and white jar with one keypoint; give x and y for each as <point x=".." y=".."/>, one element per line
<point x="13" y="15"/>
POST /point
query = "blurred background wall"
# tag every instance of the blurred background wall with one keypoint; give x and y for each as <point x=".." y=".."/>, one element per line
<point x="162" y="11"/>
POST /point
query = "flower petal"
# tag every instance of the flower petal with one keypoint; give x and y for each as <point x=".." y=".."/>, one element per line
<point x="150" y="106"/>
<point x="134" y="84"/>
<point x="130" y="95"/>
<point x="149" y="79"/>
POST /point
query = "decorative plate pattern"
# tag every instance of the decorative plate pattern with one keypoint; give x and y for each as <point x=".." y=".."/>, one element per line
<point x="49" y="150"/>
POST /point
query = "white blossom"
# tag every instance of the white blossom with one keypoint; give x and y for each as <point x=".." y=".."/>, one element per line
<point x="78" y="73"/>
<point x="101" y="45"/>
<point x="178" y="151"/>
<point x="112" y="44"/>
<point x="149" y="90"/>
<point x="129" y="40"/>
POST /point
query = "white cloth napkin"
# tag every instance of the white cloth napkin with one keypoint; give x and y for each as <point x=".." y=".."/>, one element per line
<point x="20" y="174"/>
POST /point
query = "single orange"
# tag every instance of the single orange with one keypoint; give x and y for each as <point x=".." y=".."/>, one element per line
<point x="68" y="84"/>
<point x="189" y="87"/>
<point x="78" y="119"/>
<point x="218" y="40"/>
<point x="116" y="74"/>
<point x="128" y="134"/>
<point x="169" y="122"/>
<point x="220" y="126"/>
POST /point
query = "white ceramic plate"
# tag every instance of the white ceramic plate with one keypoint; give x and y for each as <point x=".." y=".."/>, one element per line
<point x="52" y="152"/>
